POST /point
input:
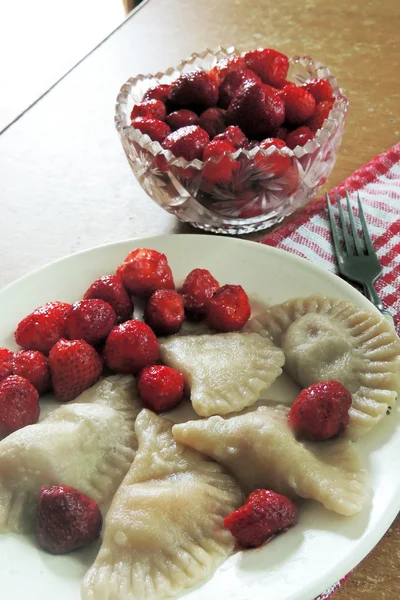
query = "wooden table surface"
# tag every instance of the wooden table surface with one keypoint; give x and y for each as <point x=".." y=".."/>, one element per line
<point x="65" y="184"/>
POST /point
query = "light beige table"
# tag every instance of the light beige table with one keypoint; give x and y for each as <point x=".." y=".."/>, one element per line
<point x="66" y="186"/>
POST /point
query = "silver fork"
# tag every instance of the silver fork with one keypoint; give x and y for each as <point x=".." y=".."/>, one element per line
<point x="354" y="263"/>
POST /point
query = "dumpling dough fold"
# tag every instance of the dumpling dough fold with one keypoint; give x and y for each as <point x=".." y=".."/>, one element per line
<point x="88" y="443"/>
<point x="225" y="372"/>
<point x="259" y="448"/>
<point x="328" y="338"/>
<point x="164" y="531"/>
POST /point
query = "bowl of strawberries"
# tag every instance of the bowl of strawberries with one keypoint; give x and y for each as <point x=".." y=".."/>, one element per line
<point x="233" y="143"/>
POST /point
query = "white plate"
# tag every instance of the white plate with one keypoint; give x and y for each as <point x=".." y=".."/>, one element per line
<point x="298" y="565"/>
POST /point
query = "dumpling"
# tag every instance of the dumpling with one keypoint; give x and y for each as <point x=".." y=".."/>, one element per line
<point x="224" y="372"/>
<point x="260" y="450"/>
<point x="88" y="443"/>
<point x="327" y="338"/>
<point x="164" y="531"/>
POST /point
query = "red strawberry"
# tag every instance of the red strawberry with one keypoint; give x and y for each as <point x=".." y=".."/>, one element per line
<point x="299" y="104"/>
<point x="41" y="329"/>
<point x="321" y="89"/>
<point x="149" y="108"/>
<point x="6" y="369"/>
<point x="165" y="312"/>
<point x="274" y="163"/>
<point x="299" y="137"/>
<point x="187" y="142"/>
<point x="227" y="65"/>
<point x="111" y="289"/>
<point x="19" y="404"/>
<point x="232" y="83"/>
<point x="6" y="355"/>
<point x="160" y="387"/>
<point x="66" y="519"/>
<point x="130" y="347"/>
<point x="256" y="110"/>
<point x="34" y="366"/>
<point x="74" y="366"/>
<point x="222" y="169"/>
<point x="212" y="121"/>
<point x="156" y="130"/>
<point x="182" y="118"/>
<point x="321" y="113"/>
<point x="144" y="271"/>
<point x="321" y="411"/>
<point x="90" y="320"/>
<point x="196" y="90"/>
<point x="197" y="290"/>
<point x="265" y="514"/>
<point x="228" y="309"/>
<point x="6" y="363"/>
<point x="160" y="92"/>
<point x="271" y="66"/>
<point x="234" y="135"/>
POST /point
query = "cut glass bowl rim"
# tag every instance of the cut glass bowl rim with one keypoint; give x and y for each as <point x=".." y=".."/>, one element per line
<point x="122" y="114"/>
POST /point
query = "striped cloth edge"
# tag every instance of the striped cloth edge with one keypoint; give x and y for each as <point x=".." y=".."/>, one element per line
<point x="307" y="234"/>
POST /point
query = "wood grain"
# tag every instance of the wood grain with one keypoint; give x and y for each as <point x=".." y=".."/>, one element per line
<point x="64" y="181"/>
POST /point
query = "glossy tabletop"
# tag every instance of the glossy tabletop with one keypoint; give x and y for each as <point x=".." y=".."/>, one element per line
<point x="65" y="184"/>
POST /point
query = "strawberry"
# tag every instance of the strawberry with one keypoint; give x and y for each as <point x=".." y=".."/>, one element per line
<point x="265" y="514"/>
<point x="228" y="308"/>
<point x="165" y="312"/>
<point x="66" y="519"/>
<point x="130" y="347"/>
<point x="212" y="121"/>
<point x="42" y="328"/>
<point x="321" y="89"/>
<point x="156" y="130"/>
<point x="321" y="411"/>
<point x="197" y="290"/>
<point x="299" y="104"/>
<point x="6" y="369"/>
<point x="196" y="90"/>
<point x="256" y="110"/>
<point x="182" y="118"/>
<point x="111" y="289"/>
<point x="74" y="367"/>
<point x="227" y="65"/>
<point x="144" y="271"/>
<point x="34" y="366"/>
<point x="160" y="387"/>
<point x="90" y="320"/>
<point x="274" y="164"/>
<point x="6" y="355"/>
<point x="222" y="169"/>
<point x="6" y="363"/>
<point x="19" y="404"/>
<point x="149" y="108"/>
<point x="159" y="92"/>
<point x="271" y="66"/>
<point x="232" y="83"/>
<point x="321" y="113"/>
<point x="187" y="142"/>
<point x="234" y="135"/>
<point x="299" y="137"/>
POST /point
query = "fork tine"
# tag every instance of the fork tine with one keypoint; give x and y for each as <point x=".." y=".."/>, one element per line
<point x="334" y="231"/>
<point x="346" y="235"/>
<point x="367" y="239"/>
<point x="356" y="239"/>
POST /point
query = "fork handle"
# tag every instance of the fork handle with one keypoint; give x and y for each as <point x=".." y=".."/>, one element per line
<point x="371" y="294"/>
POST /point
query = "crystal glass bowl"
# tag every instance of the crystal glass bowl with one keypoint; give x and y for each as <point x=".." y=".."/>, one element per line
<point x="257" y="197"/>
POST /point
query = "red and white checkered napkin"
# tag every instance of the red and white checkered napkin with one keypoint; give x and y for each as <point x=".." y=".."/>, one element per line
<point x="378" y="182"/>
<point x="308" y="234"/>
